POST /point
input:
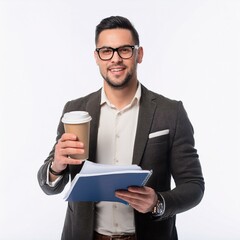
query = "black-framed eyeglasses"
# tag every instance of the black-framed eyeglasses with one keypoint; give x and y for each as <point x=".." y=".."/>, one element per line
<point x="125" y="52"/>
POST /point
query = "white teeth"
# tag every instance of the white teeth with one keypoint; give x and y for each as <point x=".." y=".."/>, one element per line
<point x="116" y="69"/>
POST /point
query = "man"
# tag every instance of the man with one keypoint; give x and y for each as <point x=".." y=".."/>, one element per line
<point x="130" y="125"/>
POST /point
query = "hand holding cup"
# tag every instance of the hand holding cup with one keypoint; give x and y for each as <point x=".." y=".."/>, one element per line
<point x="73" y="146"/>
<point x="67" y="145"/>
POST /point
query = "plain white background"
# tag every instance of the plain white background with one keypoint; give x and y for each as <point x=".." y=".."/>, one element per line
<point x="192" y="54"/>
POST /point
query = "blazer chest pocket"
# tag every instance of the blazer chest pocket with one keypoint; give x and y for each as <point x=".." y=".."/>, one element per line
<point x="157" y="149"/>
<point x="158" y="140"/>
<point x="158" y="137"/>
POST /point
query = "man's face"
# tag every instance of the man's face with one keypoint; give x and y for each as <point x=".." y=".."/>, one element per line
<point x="118" y="72"/>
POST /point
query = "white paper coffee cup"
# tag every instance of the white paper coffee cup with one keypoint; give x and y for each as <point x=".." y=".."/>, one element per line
<point x="78" y="123"/>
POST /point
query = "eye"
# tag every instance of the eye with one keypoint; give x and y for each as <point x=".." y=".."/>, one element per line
<point x="125" y="50"/>
<point x="106" y="51"/>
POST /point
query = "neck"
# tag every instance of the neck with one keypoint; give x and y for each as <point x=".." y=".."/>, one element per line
<point x="120" y="97"/>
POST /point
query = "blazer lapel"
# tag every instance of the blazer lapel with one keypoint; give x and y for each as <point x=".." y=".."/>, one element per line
<point x="93" y="107"/>
<point x="145" y="118"/>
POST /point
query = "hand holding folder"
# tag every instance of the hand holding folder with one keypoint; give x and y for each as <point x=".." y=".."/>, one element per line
<point x="98" y="182"/>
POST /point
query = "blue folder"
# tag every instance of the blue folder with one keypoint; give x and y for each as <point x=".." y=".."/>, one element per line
<point x="102" y="186"/>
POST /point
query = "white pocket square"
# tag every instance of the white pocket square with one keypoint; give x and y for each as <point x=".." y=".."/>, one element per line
<point x="158" y="133"/>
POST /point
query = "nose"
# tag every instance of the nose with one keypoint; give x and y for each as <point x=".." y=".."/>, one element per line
<point x="116" y="57"/>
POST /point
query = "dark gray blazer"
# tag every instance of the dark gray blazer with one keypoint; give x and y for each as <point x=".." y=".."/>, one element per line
<point x="168" y="155"/>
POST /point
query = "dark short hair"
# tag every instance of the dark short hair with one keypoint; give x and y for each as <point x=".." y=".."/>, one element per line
<point x="116" y="22"/>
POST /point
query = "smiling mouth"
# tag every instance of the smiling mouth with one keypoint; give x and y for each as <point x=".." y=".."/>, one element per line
<point x="116" y="69"/>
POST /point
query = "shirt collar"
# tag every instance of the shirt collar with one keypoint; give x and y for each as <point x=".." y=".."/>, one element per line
<point x="136" y="97"/>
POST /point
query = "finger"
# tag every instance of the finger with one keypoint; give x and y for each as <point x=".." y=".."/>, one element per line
<point x="139" y="190"/>
<point x="71" y="151"/>
<point x="71" y="144"/>
<point x="73" y="161"/>
<point x="127" y="196"/>
<point x="135" y="196"/>
<point x="68" y="136"/>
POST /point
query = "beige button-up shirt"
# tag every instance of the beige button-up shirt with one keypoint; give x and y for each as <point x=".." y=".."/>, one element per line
<point x="116" y="136"/>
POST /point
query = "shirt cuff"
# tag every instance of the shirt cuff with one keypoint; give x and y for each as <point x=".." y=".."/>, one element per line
<point x="54" y="183"/>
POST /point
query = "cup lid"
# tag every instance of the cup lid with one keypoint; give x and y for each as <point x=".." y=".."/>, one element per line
<point x="76" y="117"/>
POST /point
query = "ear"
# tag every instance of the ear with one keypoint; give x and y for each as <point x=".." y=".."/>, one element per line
<point x="140" y="55"/>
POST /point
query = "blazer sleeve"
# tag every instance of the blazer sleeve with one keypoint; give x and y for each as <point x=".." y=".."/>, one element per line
<point x="42" y="179"/>
<point x="185" y="168"/>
